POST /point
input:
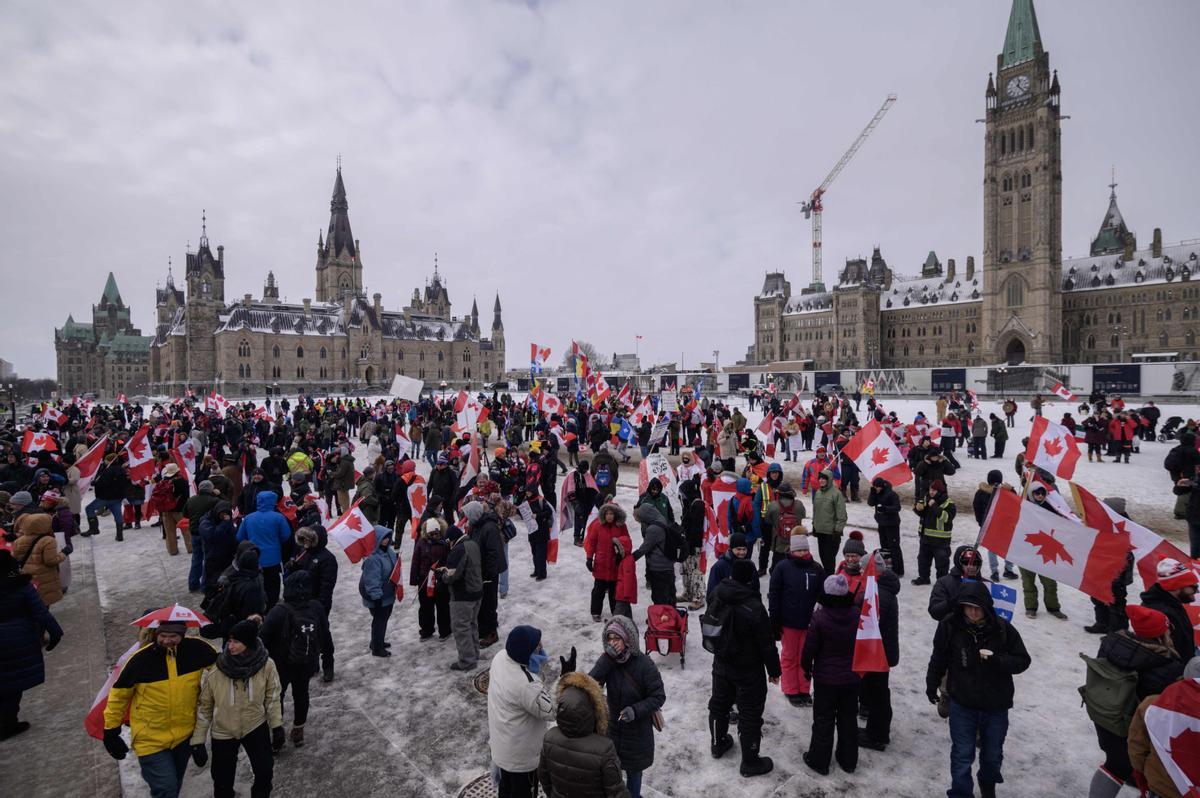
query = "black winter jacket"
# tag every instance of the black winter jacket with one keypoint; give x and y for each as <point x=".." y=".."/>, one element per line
<point x="793" y="593"/>
<point x="634" y="683"/>
<point x="886" y="504"/>
<point x="1155" y="667"/>
<point x="753" y="644"/>
<point x="489" y="536"/>
<point x="578" y="760"/>
<point x="889" y="616"/>
<point x="322" y="568"/>
<point x="944" y="596"/>
<point x="1182" y="635"/>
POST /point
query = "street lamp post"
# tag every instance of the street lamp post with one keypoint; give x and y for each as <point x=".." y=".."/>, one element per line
<point x="12" y="400"/>
<point x="1003" y="372"/>
<point x="443" y="387"/>
<point x="1120" y="330"/>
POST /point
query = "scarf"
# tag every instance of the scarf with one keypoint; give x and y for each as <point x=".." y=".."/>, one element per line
<point x="244" y="665"/>
<point x="745" y="508"/>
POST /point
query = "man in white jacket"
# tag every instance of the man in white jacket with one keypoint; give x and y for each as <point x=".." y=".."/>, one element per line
<point x="519" y="709"/>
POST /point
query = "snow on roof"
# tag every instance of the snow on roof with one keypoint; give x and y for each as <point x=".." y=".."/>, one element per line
<point x="816" y="302"/>
<point x="1094" y="272"/>
<point x="920" y="291"/>
<point x="331" y="319"/>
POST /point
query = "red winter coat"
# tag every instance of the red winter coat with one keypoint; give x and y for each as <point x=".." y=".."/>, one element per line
<point x="1115" y="429"/>
<point x="598" y="544"/>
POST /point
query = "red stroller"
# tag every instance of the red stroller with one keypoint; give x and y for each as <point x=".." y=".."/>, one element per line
<point x="667" y="623"/>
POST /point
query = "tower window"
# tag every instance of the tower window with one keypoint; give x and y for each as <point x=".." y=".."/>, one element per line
<point x="1014" y="293"/>
<point x="1003" y="143"/>
<point x="300" y="352"/>
<point x="323" y="353"/>
<point x="275" y="351"/>
<point x="1030" y="136"/>
<point x="1021" y="139"/>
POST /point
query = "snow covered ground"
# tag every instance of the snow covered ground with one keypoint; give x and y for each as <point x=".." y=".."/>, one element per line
<point x="409" y="726"/>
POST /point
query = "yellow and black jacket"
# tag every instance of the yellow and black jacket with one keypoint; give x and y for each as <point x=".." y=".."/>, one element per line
<point x="160" y="689"/>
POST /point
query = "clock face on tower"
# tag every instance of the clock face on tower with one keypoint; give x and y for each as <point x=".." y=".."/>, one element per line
<point x="1018" y="86"/>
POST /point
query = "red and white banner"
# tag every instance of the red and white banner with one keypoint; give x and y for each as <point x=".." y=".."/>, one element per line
<point x="1173" y="724"/>
<point x="417" y="499"/>
<point x="877" y="455"/>
<point x="1149" y="548"/>
<point x="765" y="432"/>
<point x="89" y="465"/>
<point x="141" y="456"/>
<point x="869" y="654"/>
<point x="1052" y="447"/>
<point x="644" y="411"/>
<point x="55" y="415"/>
<point x="1041" y="541"/>
<point x="403" y="444"/>
<point x="716" y="520"/>
<point x="1061" y="390"/>
<point x="38" y="442"/>
<point x="215" y="402"/>
<point x="354" y="534"/>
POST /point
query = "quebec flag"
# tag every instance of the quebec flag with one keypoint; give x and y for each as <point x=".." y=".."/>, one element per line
<point x="1004" y="600"/>
<point x="626" y="432"/>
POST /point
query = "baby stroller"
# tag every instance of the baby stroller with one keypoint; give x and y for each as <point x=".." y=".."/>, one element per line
<point x="667" y="623"/>
<point x="1170" y="428"/>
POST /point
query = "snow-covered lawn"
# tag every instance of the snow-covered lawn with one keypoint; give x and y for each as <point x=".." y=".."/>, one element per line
<point x="424" y="727"/>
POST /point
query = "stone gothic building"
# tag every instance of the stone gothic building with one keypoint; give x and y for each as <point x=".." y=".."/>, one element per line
<point x="1024" y="303"/>
<point x="108" y="356"/>
<point x="340" y="341"/>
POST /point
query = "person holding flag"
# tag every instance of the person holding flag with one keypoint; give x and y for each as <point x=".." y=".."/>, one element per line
<point x="979" y="653"/>
<point x="874" y="695"/>
<point x="828" y="656"/>
<point x="463" y="574"/>
<point x="377" y="591"/>
<point x="433" y="597"/>
<point x="1029" y="578"/>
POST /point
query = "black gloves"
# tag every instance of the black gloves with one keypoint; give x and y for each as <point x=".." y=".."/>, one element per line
<point x="52" y="642"/>
<point x="200" y="755"/>
<point x="568" y="663"/>
<point x="589" y="563"/>
<point x="932" y="695"/>
<point x="113" y="743"/>
<point x="68" y="550"/>
<point x="277" y="739"/>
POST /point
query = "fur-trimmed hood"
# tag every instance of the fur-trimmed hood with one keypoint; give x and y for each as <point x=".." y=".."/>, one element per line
<point x="582" y="708"/>
<point x="443" y="526"/>
<point x="618" y="513"/>
<point x="631" y="631"/>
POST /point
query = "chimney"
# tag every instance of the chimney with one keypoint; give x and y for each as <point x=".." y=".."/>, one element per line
<point x="378" y="299"/>
<point x="246" y="300"/>
<point x="1156" y="244"/>
<point x="307" y="307"/>
<point x="970" y="267"/>
<point x="1129" y="244"/>
<point x="950" y="270"/>
<point x="221" y="254"/>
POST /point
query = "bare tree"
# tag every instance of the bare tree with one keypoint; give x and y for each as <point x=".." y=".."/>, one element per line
<point x="568" y="361"/>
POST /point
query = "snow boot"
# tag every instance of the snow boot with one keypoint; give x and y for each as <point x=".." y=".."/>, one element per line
<point x="120" y="535"/>
<point x="20" y="727"/>
<point x="298" y="736"/>
<point x="752" y="763"/>
<point x="720" y="740"/>
<point x="92" y="529"/>
<point x="987" y="789"/>
<point x="1103" y="785"/>
<point x="327" y="674"/>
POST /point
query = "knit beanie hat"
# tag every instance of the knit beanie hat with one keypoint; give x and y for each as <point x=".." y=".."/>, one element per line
<point x="937" y="486"/>
<point x="21" y="498"/>
<point x="245" y="632"/>
<point x="737" y="541"/>
<point x="854" y="544"/>
<point x="205" y="486"/>
<point x="798" y="541"/>
<point x="1147" y="623"/>
<point x="994" y="477"/>
<point x="836" y="585"/>
<point x="1192" y="669"/>
<point x="522" y="642"/>
<point x="744" y="571"/>
<point x="1173" y="575"/>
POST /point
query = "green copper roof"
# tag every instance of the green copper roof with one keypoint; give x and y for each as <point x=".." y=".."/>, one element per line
<point x="131" y="343"/>
<point x="1023" y="37"/>
<point x="73" y="329"/>
<point x="111" y="294"/>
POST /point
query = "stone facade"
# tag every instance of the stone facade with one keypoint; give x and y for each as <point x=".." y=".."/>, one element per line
<point x="340" y="342"/>
<point x="1026" y="304"/>
<point x="108" y="356"/>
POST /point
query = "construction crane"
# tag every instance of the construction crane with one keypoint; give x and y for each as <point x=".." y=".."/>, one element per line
<point x="812" y="209"/>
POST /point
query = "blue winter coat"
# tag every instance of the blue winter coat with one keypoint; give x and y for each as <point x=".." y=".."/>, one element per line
<point x="375" y="585"/>
<point x="267" y="529"/>
<point x="753" y="531"/>
<point x="23" y="619"/>
<point x="794" y="591"/>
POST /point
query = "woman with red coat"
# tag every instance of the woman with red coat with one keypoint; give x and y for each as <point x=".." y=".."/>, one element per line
<point x="1120" y="432"/>
<point x="606" y="546"/>
<point x="433" y="596"/>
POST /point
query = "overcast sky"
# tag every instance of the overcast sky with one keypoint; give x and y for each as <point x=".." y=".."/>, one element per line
<point x="611" y="168"/>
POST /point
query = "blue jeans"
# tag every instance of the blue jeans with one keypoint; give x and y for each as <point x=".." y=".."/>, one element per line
<point x="994" y="563"/>
<point x="114" y="507"/>
<point x="633" y="782"/>
<point x="163" y="771"/>
<point x="431" y="456"/>
<point x="991" y="728"/>
<point x="502" y="579"/>
<point x="196" y="572"/>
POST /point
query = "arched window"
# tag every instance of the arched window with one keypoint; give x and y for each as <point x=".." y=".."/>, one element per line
<point x="241" y="371"/>
<point x="300" y="352"/>
<point x="1189" y="338"/>
<point x="1012" y="141"/>
<point x="206" y="288"/>
<point x="1168" y="315"/>
<point x="1014" y="292"/>
<point x="1021" y="139"/>
<point x="1003" y="144"/>
<point x="1029" y="136"/>
<point x="970" y="347"/>
<point x="247" y="371"/>
<point x="1091" y="342"/>
<point x="441" y="357"/>
<point x="1162" y="338"/>
<point x="1158" y="315"/>
<point x="275" y="351"/>
<point x="324" y="354"/>
<point x="1113" y="342"/>
<point x="400" y="354"/>
<point x="244" y="348"/>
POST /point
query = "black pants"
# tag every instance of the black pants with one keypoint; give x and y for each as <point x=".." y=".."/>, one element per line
<point x="662" y="586"/>
<point x="257" y="745"/>
<point x="270" y="578"/>
<point x="537" y="549"/>
<point x="10" y="707"/>
<point x="517" y="785"/>
<point x="889" y="538"/>
<point x="827" y="548"/>
<point x="1112" y="616"/>
<point x="999" y="444"/>
<point x="601" y="588"/>
<point x="765" y="545"/>
<point x="980" y="447"/>
<point x="834" y="706"/>
<point x="1116" y="754"/>
<point x="387" y="514"/>
<point x="379" y="623"/>
<point x="746" y="688"/>
<point x="875" y="697"/>
<point x="297" y="677"/>
<point x="327" y="643"/>
<point x="581" y="516"/>
<point x="933" y="551"/>
<point x="431" y="607"/>
<point x="489" y="621"/>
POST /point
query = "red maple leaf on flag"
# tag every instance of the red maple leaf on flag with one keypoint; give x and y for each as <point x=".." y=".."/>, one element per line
<point x="879" y="456"/>
<point x="1185" y="750"/>
<point x="137" y="447"/>
<point x="866" y="610"/>
<point x="1053" y="447"/>
<point x="354" y="523"/>
<point x="1050" y="549"/>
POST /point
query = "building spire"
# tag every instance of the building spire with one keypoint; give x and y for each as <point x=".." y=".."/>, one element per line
<point x="1113" y="185"/>
<point x="339" y="238"/>
<point x="1023" y="40"/>
<point x="203" y="228"/>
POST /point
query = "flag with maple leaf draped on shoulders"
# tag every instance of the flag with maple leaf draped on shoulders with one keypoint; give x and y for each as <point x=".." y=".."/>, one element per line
<point x="1044" y="542"/>
<point x="354" y="533"/>
<point x="877" y="455"/>
<point x="869" y="654"/>
<point x="141" y="455"/>
<point x="1173" y="726"/>
<point x="1052" y="447"/>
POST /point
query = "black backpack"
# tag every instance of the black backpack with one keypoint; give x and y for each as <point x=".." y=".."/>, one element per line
<point x="715" y="623"/>
<point x="304" y="645"/>
<point x="675" y="547"/>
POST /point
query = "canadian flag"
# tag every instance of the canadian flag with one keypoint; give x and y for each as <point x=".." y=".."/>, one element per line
<point x="93" y="722"/>
<point x="876" y="455"/>
<point x="1052" y="447"/>
<point x="38" y="442"/>
<point x="716" y="520"/>
<point x="121" y="399"/>
<point x="417" y="499"/>
<point x="765" y="432"/>
<point x="1173" y="724"/>
<point x="1041" y="541"/>
<point x="1149" y="548"/>
<point x="471" y="470"/>
<point x="1061" y="390"/>
<point x="599" y="390"/>
<point x="263" y="413"/>
<point x="403" y="443"/>
<point x="1056" y="500"/>
<point x="555" y="528"/>
<point x="645" y="410"/>
<point x="397" y="577"/>
<point x="55" y="415"/>
<point x="186" y="455"/>
<point x="430" y="583"/>
<point x="89" y="465"/>
<point x="354" y="533"/>
<point x="214" y="401"/>
<point x="550" y="405"/>
<point x="869" y="655"/>
<point x="625" y="396"/>
<point x="141" y="457"/>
